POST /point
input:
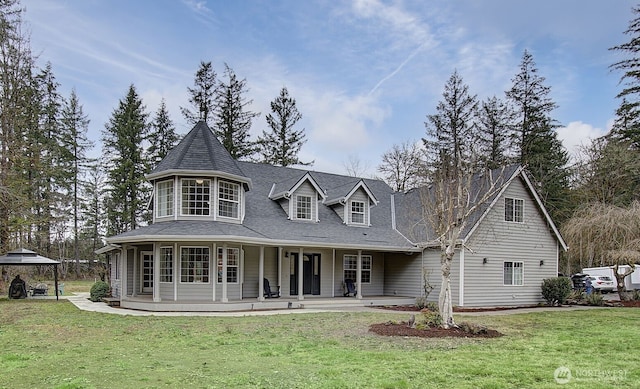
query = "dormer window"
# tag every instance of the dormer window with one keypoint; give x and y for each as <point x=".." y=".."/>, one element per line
<point x="303" y="207"/>
<point x="228" y="199"/>
<point x="357" y="212"/>
<point x="196" y="196"/>
<point x="164" y="206"/>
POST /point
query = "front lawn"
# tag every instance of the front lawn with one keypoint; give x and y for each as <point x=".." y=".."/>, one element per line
<point x="49" y="344"/>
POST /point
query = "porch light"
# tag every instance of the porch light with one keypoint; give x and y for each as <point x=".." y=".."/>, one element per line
<point x="199" y="181"/>
<point x="541" y="262"/>
<point x="484" y="260"/>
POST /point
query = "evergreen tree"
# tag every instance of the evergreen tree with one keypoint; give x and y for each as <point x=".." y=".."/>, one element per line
<point x="627" y="126"/>
<point x="162" y="137"/>
<point x="202" y="95"/>
<point x="281" y="144"/>
<point x="75" y="125"/>
<point x="450" y="131"/>
<point x="18" y="114"/>
<point x="232" y="120"/>
<point x="122" y="146"/>
<point x="92" y="208"/>
<point x="540" y="150"/>
<point x="494" y="135"/>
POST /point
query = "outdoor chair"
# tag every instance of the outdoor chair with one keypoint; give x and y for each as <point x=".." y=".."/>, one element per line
<point x="40" y="290"/>
<point x="268" y="292"/>
<point x="349" y="287"/>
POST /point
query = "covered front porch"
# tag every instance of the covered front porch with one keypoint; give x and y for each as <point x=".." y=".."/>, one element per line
<point x="227" y="276"/>
<point x="146" y="303"/>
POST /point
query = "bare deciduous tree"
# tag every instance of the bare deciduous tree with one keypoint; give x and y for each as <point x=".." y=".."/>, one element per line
<point x="449" y="205"/>
<point x="401" y="166"/>
<point x="605" y="235"/>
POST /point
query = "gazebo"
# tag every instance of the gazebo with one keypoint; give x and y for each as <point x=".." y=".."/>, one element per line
<point x="24" y="257"/>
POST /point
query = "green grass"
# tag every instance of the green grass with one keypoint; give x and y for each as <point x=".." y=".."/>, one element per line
<point x="49" y="344"/>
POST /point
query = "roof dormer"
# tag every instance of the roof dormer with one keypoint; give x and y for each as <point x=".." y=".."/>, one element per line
<point x="353" y="203"/>
<point x="299" y="197"/>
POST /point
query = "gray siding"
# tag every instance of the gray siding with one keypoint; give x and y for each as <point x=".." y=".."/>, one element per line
<point x="403" y="275"/>
<point x="306" y="189"/>
<point x="252" y="269"/>
<point x="375" y="287"/>
<point x="500" y="241"/>
<point x="166" y="291"/>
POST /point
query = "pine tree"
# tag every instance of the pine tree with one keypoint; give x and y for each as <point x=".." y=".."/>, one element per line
<point x="281" y="144"/>
<point x="494" y="135"/>
<point x="92" y="207"/>
<point x="450" y="130"/>
<point x="202" y="95"/>
<point x="232" y="120"/>
<point x="540" y="150"/>
<point x="75" y="125"/>
<point x="18" y="114"/>
<point x="122" y="145"/>
<point x="627" y="126"/>
<point x="162" y="137"/>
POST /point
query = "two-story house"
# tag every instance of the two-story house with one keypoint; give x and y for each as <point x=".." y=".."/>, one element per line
<point x="221" y="227"/>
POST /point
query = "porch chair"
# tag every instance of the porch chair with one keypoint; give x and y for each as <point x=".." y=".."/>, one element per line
<point x="268" y="292"/>
<point x="349" y="288"/>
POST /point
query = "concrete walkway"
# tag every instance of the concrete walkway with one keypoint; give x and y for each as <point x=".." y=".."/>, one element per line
<point x="81" y="300"/>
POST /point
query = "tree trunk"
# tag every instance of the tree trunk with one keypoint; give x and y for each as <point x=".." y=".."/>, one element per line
<point x="622" y="291"/>
<point x="445" y="304"/>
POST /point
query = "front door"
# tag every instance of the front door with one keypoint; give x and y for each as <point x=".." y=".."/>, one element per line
<point x="310" y="274"/>
<point x="146" y="271"/>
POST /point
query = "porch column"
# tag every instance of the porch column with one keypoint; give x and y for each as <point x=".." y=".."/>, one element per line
<point x="359" y="276"/>
<point x="300" y="274"/>
<point x="280" y="268"/>
<point x="134" y="292"/>
<point x="224" y="298"/>
<point x="261" y="275"/>
<point x="123" y="271"/>
<point x="156" y="272"/>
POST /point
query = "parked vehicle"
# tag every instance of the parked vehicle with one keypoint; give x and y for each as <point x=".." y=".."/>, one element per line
<point x="578" y="281"/>
<point x="602" y="284"/>
<point x="631" y="281"/>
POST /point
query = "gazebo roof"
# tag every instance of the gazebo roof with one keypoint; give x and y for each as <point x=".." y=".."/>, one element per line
<point x="25" y="257"/>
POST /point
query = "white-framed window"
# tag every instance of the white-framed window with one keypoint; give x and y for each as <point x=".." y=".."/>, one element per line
<point x="164" y="198"/>
<point x="513" y="210"/>
<point x="166" y="264"/>
<point x="196" y="196"/>
<point x="513" y="273"/>
<point x="350" y="267"/>
<point x="228" y="199"/>
<point x="303" y="207"/>
<point x="194" y="264"/>
<point x="357" y="212"/>
<point x="233" y="264"/>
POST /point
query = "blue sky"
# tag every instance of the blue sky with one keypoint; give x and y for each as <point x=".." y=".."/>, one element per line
<point x="364" y="73"/>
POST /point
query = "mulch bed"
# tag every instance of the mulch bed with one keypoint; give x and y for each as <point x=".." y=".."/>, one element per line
<point x="631" y="304"/>
<point x="403" y="329"/>
<point x="413" y="308"/>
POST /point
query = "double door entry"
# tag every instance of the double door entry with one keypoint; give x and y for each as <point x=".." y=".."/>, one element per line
<point x="310" y="274"/>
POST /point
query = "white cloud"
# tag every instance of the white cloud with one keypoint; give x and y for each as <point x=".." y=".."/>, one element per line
<point x="578" y="134"/>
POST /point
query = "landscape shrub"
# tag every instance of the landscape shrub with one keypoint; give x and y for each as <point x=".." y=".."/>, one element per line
<point x="595" y="299"/>
<point x="99" y="290"/>
<point x="556" y="290"/>
<point x="431" y="318"/>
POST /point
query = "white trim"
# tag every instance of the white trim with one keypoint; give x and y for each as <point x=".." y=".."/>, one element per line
<point x="210" y="181"/>
<point x="365" y="208"/>
<point x="294" y="201"/>
<point x="287" y="193"/>
<point x="257" y="241"/>
<point x="504" y="216"/>
<point x="519" y="172"/>
<point x="199" y="173"/>
<point x="156" y="198"/>
<point x="512" y="275"/>
<point x="180" y="260"/>
<point x="461" y="283"/>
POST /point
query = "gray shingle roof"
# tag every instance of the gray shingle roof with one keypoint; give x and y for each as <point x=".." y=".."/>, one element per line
<point x="266" y="222"/>
<point x="199" y="150"/>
